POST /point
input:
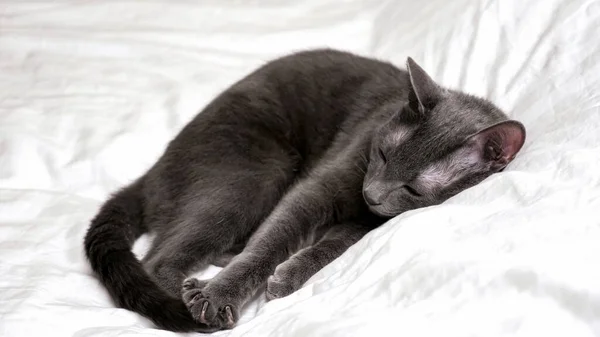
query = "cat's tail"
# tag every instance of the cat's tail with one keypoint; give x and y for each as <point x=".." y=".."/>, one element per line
<point x="108" y="244"/>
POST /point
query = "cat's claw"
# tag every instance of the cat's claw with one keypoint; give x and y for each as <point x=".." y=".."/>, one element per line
<point x="205" y="306"/>
<point x="229" y="313"/>
<point x="224" y="317"/>
<point x="202" y="318"/>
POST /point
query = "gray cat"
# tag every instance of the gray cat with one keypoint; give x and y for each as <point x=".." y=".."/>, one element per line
<point x="284" y="171"/>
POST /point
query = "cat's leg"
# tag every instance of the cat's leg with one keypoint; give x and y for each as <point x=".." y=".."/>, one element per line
<point x="215" y="220"/>
<point x="223" y="259"/>
<point x="295" y="271"/>
<point x="189" y="247"/>
<point x="218" y="302"/>
<point x="332" y="192"/>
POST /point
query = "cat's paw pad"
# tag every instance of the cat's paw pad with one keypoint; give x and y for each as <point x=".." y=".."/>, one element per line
<point x="278" y="287"/>
<point x="209" y="307"/>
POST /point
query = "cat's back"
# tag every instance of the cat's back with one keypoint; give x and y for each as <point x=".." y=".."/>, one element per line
<point x="335" y="65"/>
<point x="295" y="106"/>
<point x="327" y="87"/>
<point x="316" y="59"/>
<point x="303" y="99"/>
<point x="308" y="91"/>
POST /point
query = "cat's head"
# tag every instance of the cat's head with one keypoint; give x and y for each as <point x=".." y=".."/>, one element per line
<point x="438" y="144"/>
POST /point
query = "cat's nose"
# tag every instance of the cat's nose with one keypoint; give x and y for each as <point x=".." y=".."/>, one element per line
<point x="373" y="195"/>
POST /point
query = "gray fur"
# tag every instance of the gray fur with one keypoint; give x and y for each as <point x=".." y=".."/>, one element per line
<point x="294" y="164"/>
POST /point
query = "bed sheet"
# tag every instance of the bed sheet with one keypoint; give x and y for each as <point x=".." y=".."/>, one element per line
<point x="92" y="91"/>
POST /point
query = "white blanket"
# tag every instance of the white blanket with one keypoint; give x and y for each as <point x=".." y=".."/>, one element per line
<point x="91" y="92"/>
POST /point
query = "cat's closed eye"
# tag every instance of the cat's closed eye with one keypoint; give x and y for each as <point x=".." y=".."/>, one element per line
<point x="411" y="191"/>
<point x="382" y="155"/>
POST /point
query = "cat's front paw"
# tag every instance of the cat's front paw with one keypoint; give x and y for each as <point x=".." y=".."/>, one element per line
<point x="209" y="305"/>
<point x="283" y="282"/>
<point x="277" y="288"/>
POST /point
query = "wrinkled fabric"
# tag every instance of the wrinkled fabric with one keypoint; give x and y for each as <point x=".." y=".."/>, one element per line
<point x="92" y="91"/>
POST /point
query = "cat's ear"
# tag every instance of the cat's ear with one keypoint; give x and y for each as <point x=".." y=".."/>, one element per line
<point x="499" y="144"/>
<point x="424" y="93"/>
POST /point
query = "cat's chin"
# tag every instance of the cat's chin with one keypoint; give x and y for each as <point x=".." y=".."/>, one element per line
<point x="381" y="211"/>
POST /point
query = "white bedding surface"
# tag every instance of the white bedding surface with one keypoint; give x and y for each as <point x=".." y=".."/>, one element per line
<point x="91" y="92"/>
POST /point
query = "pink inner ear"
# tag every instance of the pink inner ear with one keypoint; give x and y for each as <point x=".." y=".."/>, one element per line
<point x="509" y="136"/>
<point x="513" y="138"/>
